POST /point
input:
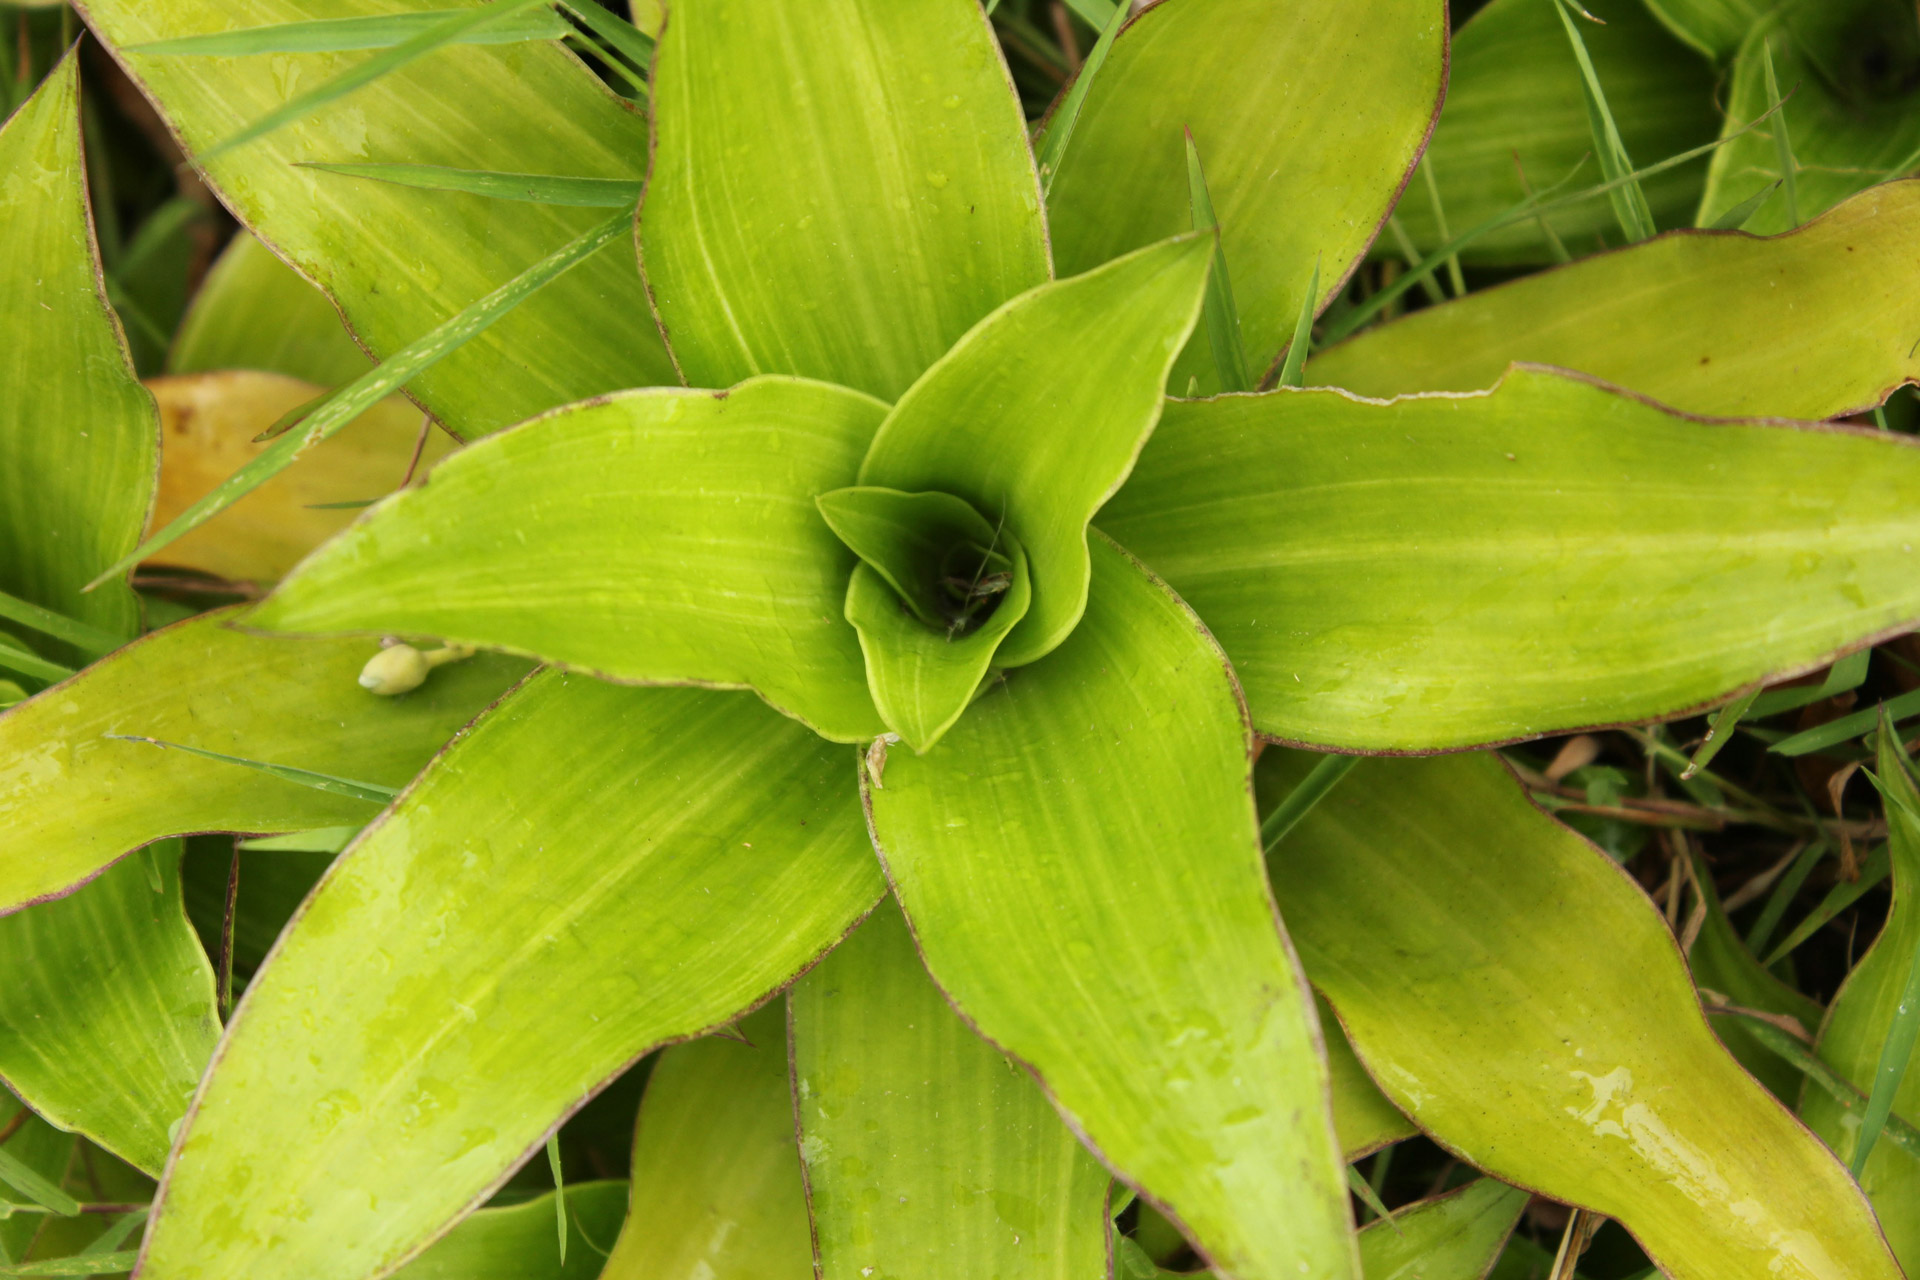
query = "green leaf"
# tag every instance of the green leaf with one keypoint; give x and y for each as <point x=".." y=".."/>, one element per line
<point x="1865" y="1013"/>
<point x="47" y="1152"/>
<point x="1453" y="1237"/>
<point x="589" y="869"/>
<point x="1362" y="1116"/>
<point x="854" y="199"/>
<point x="73" y="418"/>
<point x="1834" y="732"/>
<point x="1515" y="106"/>
<point x="914" y="542"/>
<point x="400" y="261"/>
<point x="717" y="1190"/>
<point x="1153" y="995"/>
<point x="341" y="35"/>
<point x="72" y="800"/>
<point x="1848" y="70"/>
<point x="354" y="399"/>
<point x="1056" y="131"/>
<point x="1293" y="368"/>
<point x="1629" y="202"/>
<point x="1816" y="324"/>
<point x="1362" y="563"/>
<point x="1844" y="676"/>
<point x="107" y="1018"/>
<point x="1298" y="164"/>
<point x="1721" y="962"/>
<point x="536" y="188"/>
<point x="596" y="537"/>
<point x="984" y="423"/>
<point x="36" y="1187"/>
<point x="1719" y="732"/>
<point x="254" y="312"/>
<point x="1714" y="27"/>
<point x="927" y="1153"/>
<point x="90" y="640"/>
<point x="1223" y="318"/>
<point x="1476" y="949"/>
<point x="516" y="1242"/>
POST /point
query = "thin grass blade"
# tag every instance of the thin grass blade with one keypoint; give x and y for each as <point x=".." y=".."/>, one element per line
<point x="559" y="1190"/>
<point x="14" y="657"/>
<point x="1293" y="371"/>
<point x="369" y="791"/>
<point x="57" y="625"/>
<point x="348" y="35"/>
<point x="1724" y="722"/>
<point x="384" y="379"/>
<point x="1844" y="676"/>
<point x="1629" y="201"/>
<point x="1368" y="1196"/>
<point x="444" y="32"/>
<point x="1455" y="277"/>
<point x="1898" y="1131"/>
<point x="530" y="188"/>
<point x="1835" y="732"/>
<point x="17" y="1174"/>
<point x="627" y="40"/>
<point x="1223" y="318"/>
<point x="1059" y="129"/>
<point x="78" y="1265"/>
<point x="1300" y="801"/>
<point x="1783" y="895"/>
<point x="1876" y="868"/>
<point x="1782" y="143"/>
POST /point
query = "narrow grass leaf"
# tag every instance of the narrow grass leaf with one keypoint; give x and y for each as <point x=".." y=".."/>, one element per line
<point x="318" y="840"/>
<point x="441" y="33"/>
<point x="58" y="625"/>
<point x="15" y="658"/>
<point x="1782" y="143"/>
<point x="79" y="1265"/>
<point x="1835" y="732"/>
<point x="1058" y="130"/>
<point x="559" y="1191"/>
<point x="1432" y="179"/>
<point x="368" y="791"/>
<point x="1724" y="722"/>
<point x="1736" y="217"/>
<point x="17" y="1174"/>
<point x="346" y="35"/>
<point x="1293" y="371"/>
<point x="1320" y="780"/>
<point x="628" y="40"/>
<point x="1783" y="895"/>
<point x="1223" y="318"/>
<point x="1899" y="1130"/>
<point x="1843" y="895"/>
<point x="1844" y="676"/>
<point x="1892" y="1067"/>
<point x="1368" y="1196"/>
<point x="1629" y="201"/>
<point x="1095" y="13"/>
<point x="350" y="401"/>
<point x="531" y="188"/>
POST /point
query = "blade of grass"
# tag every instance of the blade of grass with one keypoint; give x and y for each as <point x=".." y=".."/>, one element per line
<point x="1736" y="217"/>
<point x="317" y="840"/>
<point x="628" y="40"/>
<point x="1300" y="801"/>
<point x="1555" y="244"/>
<point x="1835" y="732"/>
<point x="1059" y="130"/>
<point x="1843" y="895"/>
<point x="1293" y="370"/>
<point x="1783" y="894"/>
<point x="1898" y="1130"/>
<point x="444" y="32"/>
<point x="1529" y="207"/>
<point x="57" y="625"/>
<point x="1629" y="201"/>
<point x="1411" y="253"/>
<point x="1892" y="1068"/>
<point x="354" y="399"/>
<point x="1369" y="1197"/>
<point x="559" y="1190"/>
<point x="15" y="657"/>
<point x="21" y="1177"/>
<point x="1782" y="143"/>
<point x="369" y="791"/>
<point x="1223" y="318"/>
<point x="1843" y="677"/>
<point x="530" y="188"/>
<point x="1095" y="13"/>
<point x="1718" y="732"/>
<point x="635" y="80"/>
<point x="1454" y="276"/>
<point x="349" y="35"/>
<point x="78" y="1265"/>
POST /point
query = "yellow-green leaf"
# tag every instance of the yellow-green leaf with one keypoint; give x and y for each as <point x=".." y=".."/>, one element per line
<point x="1301" y="165"/>
<point x="1452" y="1237"/>
<point x="838" y="192"/>
<point x="517" y="1242"/>
<point x="588" y="872"/>
<point x="928" y="1153"/>
<point x="253" y="311"/>
<point x="1363" y="564"/>
<point x="1080" y="864"/>
<point x="1816" y="324"/>
<point x="1477" y="950"/>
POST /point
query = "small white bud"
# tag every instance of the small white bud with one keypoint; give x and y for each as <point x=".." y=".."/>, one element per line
<point x="399" y="669"/>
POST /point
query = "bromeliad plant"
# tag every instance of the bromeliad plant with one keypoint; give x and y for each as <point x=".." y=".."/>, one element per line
<point x="903" y="361"/>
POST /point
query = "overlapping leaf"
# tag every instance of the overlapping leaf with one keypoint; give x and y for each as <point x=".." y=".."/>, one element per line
<point x="658" y="536"/>
<point x="76" y="431"/>
<point x="927" y="1152"/>
<point x="72" y="799"/>
<point x="1815" y="324"/>
<point x="1714" y="27"/>
<point x="1476" y="949"/>
<point x="838" y="194"/>
<point x="518" y="1242"/>
<point x="1453" y="1237"/>
<point x="1302" y="166"/>
<point x="400" y="260"/>
<point x="253" y="311"/>
<point x="107" y="1018"/>
<point x="1361" y="562"/>
<point x="717" y="1191"/>
<point x="1079" y="862"/>
<point x="587" y="873"/>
